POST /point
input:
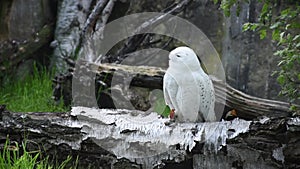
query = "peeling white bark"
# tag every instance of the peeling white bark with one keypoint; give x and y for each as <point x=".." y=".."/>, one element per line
<point x="71" y="17"/>
<point x="134" y="134"/>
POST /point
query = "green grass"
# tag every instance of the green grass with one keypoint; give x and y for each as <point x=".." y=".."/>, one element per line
<point x="10" y="158"/>
<point x="31" y="94"/>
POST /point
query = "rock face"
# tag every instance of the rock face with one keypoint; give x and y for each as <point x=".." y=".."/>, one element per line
<point x="22" y="19"/>
<point x="26" y="29"/>
<point x="247" y="60"/>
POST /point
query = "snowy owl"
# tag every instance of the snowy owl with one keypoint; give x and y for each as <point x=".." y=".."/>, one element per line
<point x="188" y="90"/>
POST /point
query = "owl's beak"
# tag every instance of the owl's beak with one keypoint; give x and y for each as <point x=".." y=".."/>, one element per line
<point x="171" y="56"/>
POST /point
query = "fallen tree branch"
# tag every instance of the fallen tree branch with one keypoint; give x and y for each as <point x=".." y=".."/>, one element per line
<point x="248" y="107"/>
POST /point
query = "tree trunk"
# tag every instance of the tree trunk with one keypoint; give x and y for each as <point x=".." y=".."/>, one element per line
<point x="133" y="139"/>
<point x="71" y="18"/>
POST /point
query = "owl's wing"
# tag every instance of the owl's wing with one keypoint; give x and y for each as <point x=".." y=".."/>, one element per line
<point x="207" y="99"/>
<point x="170" y="88"/>
<point x="211" y="116"/>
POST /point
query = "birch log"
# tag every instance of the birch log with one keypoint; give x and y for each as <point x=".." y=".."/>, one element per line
<point x="104" y="138"/>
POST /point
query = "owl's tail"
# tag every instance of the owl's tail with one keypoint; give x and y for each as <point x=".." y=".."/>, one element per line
<point x="211" y="116"/>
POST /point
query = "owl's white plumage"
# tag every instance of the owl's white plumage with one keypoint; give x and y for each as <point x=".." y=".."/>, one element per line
<point x="187" y="88"/>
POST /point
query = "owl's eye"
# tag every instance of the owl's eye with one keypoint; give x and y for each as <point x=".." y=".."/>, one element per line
<point x="178" y="55"/>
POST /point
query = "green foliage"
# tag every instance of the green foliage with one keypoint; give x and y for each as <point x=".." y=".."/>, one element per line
<point x="32" y="94"/>
<point x="166" y="111"/>
<point x="11" y="158"/>
<point x="227" y="4"/>
<point x="161" y="108"/>
<point x="282" y="21"/>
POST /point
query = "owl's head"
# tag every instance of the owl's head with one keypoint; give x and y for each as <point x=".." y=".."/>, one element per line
<point x="184" y="57"/>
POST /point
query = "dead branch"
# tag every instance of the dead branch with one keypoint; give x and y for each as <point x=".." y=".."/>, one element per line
<point x="92" y="19"/>
<point x="105" y="14"/>
<point x="134" y="41"/>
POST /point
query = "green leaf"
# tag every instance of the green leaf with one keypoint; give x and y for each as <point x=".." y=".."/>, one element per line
<point x="262" y="33"/>
<point x="275" y="35"/>
<point x="293" y="108"/>
<point x="227" y="12"/>
<point x="254" y="27"/>
<point x="281" y="79"/>
<point x="216" y="1"/>
<point x="296" y="37"/>
<point x="299" y="76"/>
<point x="289" y="64"/>
<point x="275" y="25"/>
<point x="274" y="73"/>
<point x="246" y="26"/>
<point x="226" y="6"/>
<point x="295" y="25"/>
<point x="282" y="39"/>
<point x="281" y="63"/>
<point x="265" y="8"/>
<point x="289" y="37"/>
<point x="285" y="12"/>
<point x="166" y="111"/>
